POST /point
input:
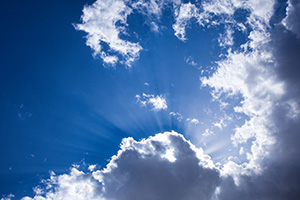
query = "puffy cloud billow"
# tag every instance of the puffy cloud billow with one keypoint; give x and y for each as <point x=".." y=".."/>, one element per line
<point x="165" y="166"/>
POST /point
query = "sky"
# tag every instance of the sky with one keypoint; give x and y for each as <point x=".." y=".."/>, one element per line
<point x="150" y="100"/>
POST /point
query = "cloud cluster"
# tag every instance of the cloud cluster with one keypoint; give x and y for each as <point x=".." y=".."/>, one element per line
<point x="264" y="72"/>
<point x="157" y="102"/>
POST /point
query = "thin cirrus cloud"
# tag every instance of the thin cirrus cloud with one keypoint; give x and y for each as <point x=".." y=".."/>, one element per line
<point x="264" y="71"/>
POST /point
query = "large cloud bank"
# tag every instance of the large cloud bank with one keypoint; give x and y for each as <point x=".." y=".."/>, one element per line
<point x="264" y="71"/>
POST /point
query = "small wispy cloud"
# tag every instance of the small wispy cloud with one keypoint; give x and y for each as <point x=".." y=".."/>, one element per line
<point x="157" y="102"/>
<point x="177" y="115"/>
<point x="23" y="112"/>
<point x="207" y="133"/>
<point x="190" y="61"/>
<point x="192" y="120"/>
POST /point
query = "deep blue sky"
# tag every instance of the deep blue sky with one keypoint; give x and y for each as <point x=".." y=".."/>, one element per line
<point x="61" y="106"/>
<point x="41" y="66"/>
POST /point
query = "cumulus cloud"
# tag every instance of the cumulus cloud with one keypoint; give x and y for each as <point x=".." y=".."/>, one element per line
<point x="157" y="102"/>
<point x="165" y="166"/>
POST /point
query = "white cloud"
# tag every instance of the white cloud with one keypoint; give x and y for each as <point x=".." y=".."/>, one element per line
<point x="157" y="102"/>
<point x="104" y="21"/>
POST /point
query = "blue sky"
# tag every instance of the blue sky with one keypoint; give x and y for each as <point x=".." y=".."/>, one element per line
<point x="151" y="99"/>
